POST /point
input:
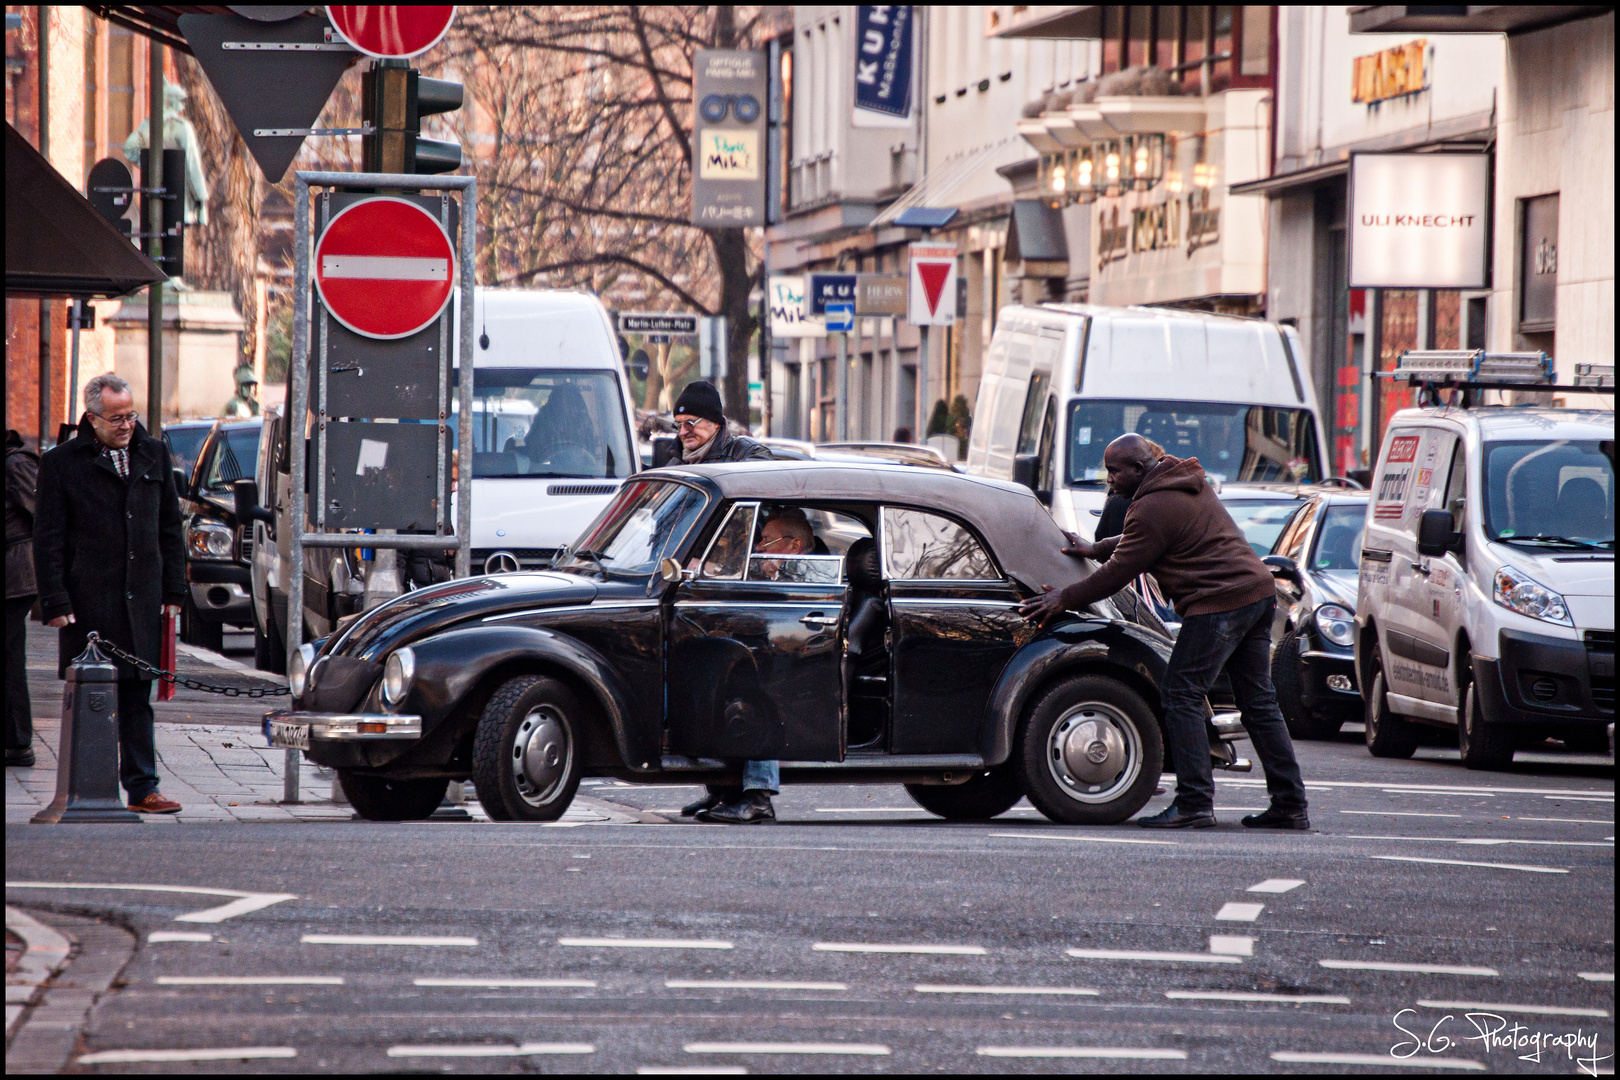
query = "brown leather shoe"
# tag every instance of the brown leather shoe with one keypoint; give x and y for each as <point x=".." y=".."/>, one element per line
<point x="155" y="803"/>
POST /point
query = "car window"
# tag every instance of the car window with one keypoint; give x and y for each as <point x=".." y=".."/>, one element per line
<point x="802" y="544"/>
<point x="236" y="453"/>
<point x="644" y="523"/>
<point x="1457" y="486"/>
<point x="1561" y="492"/>
<point x="1236" y="443"/>
<point x="1338" y="541"/>
<point x="922" y="546"/>
<point x="728" y="554"/>
<point x="548" y="422"/>
<point x="184" y="442"/>
<point x="1298" y="530"/>
<point x="1261" y="521"/>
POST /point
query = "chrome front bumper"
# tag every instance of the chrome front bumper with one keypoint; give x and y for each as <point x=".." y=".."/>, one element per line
<point x="295" y="730"/>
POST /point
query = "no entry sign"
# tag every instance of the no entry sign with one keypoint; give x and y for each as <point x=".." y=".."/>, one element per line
<point x="391" y="32"/>
<point x="385" y="268"/>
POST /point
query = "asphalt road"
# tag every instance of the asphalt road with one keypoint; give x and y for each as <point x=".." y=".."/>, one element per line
<point x="1022" y="946"/>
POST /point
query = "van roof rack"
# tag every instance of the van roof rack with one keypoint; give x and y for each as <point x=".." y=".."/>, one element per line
<point x="1476" y="369"/>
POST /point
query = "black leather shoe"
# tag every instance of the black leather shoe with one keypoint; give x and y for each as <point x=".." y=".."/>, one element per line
<point x="1273" y="818"/>
<point x="754" y="807"/>
<point x="23" y="759"/>
<point x="1173" y="817"/>
<point x="708" y="802"/>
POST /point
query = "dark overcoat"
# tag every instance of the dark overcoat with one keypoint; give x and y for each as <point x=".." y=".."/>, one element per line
<point x="22" y="477"/>
<point x="106" y="549"/>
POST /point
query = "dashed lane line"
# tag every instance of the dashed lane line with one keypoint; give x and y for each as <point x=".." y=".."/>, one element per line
<point x="1430" y="791"/>
<point x="1570" y="820"/>
<point x="1054" y="991"/>
<point x="1241" y="995"/>
<point x="749" y="984"/>
<point x="1373" y="1061"/>
<point x="1231" y="945"/>
<point x="641" y="943"/>
<point x="481" y="1050"/>
<point x="1424" y="789"/>
<point x="870" y="810"/>
<point x="234" y="1053"/>
<point x="1233" y="912"/>
<point x="1395" y="813"/>
<point x="508" y="984"/>
<point x="1134" y="1053"/>
<point x="1527" y="868"/>
<point x="920" y="949"/>
<point x="1087" y="839"/>
<point x="159" y="936"/>
<point x="1542" y="1010"/>
<point x="1155" y="957"/>
<point x="855" y="1049"/>
<point x="1583" y="798"/>
<point x="245" y="902"/>
<point x="691" y="1070"/>
<point x="1485" y="841"/>
<point x="1596" y="976"/>
<point x="386" y="939"/>
<point x="1416" y="969"/>
<point x="249" y="980"/>
<point x="1276" y="885"/>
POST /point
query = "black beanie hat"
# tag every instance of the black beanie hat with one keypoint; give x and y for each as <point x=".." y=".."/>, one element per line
<point x="702" y="400"/>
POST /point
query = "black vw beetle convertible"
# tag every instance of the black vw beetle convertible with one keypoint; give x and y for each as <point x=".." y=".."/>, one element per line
<point x="857" y="622"/>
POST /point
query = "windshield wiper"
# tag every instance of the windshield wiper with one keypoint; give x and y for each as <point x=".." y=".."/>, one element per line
<point x="1606" y="545"/>
<point x="596" y="557"/>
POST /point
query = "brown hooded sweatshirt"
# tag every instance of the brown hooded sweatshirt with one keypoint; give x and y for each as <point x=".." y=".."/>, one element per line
<point x="1177" y="530"/>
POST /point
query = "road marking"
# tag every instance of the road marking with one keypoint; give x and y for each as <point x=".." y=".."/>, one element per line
<point x="1428" y="791"/>
<point x="1570" y="820"/>
<point x="1547" y="1010"/>
<point x="509" y="984"/>
<point x="158" y="936"/>
<point x="641" y="943"/>
<point x="239" y="1053"/>
<point x="384" y="939"/>
<point x="246" y="902"/>
<point x="1463" y="862"/>
<point x="1551" y="793"/>
<point x="1276" y="885"/>
<point x="1240" y="995"/>
<point x="932" y="950"/>
<point x="749" y="984"/>
<point x="1231" y="912"/>
<point x="1231" y="945"/>
<point x="1582" y="798"/>
<point x="1104" y="1052"/>
<point x="858" y="1049"/>
<point x="481" y="1050"/>
<point x="249" y="980"/>
<point x="1420" y="969"/>
<point x="1396" y="813"/>
<point x="1088" y="839"/>
<point x="871" y="810"/>
<point x="691" y="1070"/>
<point x="1486" y="841"/>
<point x="1298" y="1057"/>
<point x="1166" y="957"/>
<point x="1058" y="991"/>
<point x="1596" y="976"/>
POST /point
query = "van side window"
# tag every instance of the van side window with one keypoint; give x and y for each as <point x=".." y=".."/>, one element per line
<point x="1029" y="428"/>
<point x="919" y="546"/>
<point x="1457" y="487"/>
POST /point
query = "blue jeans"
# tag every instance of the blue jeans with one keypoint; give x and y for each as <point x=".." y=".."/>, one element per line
<point x="1238" y="641"/>
<point x="763" y="776"/>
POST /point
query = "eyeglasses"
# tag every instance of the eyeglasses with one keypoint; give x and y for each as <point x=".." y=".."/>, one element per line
<point x="688" y="425"/>
<point x="126" y="420"/>
<point x="763" y="544"/>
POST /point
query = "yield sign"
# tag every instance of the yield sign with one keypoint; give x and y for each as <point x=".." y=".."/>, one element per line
<point x="933" y="292"/>
<point x="391" y="32"/>
<point x="385" y="268"/>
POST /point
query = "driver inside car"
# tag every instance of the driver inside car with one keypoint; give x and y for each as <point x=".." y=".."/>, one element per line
<point x="785" y="533"/>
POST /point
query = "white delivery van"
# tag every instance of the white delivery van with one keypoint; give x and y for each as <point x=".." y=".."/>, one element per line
<point x="1486" y="599"/>
<point x="1062" y="380"/>
<point x="553" y="436"/>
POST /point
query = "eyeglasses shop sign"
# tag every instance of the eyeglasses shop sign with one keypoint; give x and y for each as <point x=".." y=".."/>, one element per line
<point x="1419" y="221"/>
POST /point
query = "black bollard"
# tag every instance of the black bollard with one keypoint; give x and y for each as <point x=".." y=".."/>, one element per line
<point x="87" y="760"/>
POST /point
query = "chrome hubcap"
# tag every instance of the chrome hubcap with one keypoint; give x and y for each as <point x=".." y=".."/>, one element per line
<point x="1094" y="752"/>
<point x="541" y="754"/>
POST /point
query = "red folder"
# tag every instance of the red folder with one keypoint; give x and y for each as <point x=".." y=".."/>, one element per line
<point x="171" y="631"/>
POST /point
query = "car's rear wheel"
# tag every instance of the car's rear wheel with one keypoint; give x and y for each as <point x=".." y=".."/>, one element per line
<point x="379" y="798"/>
<point x="197" y="630"/>
<point x="1089" y="752"/>
<point x="1285" y="677"/>
<point x="526" y="754"/>
<point x="1388" y="734"/>
<point x="1482" y="745"/>
<point x="980" y="799"/>
<point x="269" y="651"/>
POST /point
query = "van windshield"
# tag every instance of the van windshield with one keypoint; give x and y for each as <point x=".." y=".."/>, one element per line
<point x="548" y="422"/>
<point x="1234" y="443"/>
<point x="1550" y="494"/>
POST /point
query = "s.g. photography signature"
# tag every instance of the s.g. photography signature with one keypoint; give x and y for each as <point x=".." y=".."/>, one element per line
<point x="1492" y="1032"/>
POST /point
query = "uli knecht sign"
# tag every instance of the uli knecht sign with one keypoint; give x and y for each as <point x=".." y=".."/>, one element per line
<point x="1420" y="221"/>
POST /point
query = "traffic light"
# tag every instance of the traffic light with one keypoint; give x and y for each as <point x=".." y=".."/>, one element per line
<point x="395" y="98"/>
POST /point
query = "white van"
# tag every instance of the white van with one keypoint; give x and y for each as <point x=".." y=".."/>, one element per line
<point x="1062" y="380"/>
<point x="1486" y="598"/>
<point x="553" y="437"/>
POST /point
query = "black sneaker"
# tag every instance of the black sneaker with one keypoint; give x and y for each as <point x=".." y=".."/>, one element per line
<point x="753" y="808"/>
<point x="1174" y="817"/>
<point x="1273" y="818"/>
<point x="22" y="759"/>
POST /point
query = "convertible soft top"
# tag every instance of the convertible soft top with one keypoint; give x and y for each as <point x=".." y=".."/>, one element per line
<point x="1022" y="535"/>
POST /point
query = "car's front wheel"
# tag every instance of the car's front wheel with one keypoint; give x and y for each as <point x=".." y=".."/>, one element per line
<point x="980" y="799"/>
<point x="1090" y="752"/>
<point x="378" y="798"/>
<point x="1388" y="734"/>
<point x="1287" y="679"/>
<point x="1482" y="745"/>
<point x="526" y="759"/>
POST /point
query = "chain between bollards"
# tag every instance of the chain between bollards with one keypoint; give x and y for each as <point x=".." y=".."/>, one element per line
<point x="181" y="680"/>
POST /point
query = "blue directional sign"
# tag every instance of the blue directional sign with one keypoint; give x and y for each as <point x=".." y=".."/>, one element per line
<point x="840" y="317"/>
<point x="830" y="289"/>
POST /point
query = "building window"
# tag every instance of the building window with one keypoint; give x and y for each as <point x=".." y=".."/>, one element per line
<point x="1538" y="264"/>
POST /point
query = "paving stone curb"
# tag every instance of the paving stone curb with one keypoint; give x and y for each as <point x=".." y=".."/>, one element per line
<point x="93" y="954"/>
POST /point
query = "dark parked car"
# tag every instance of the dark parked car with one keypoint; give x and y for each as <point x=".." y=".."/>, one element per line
<point x="218" y="554"/>
<point x="184" y="438"/>
<point x="672" y="639"/>
<point x="1316" y="561"/>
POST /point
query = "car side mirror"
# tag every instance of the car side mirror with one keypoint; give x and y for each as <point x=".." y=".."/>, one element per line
<point x="1281" y="566"/>
<point x="1435" y="536"/>
<point x="670" y="572"/>
<point x="248" y="509"/>
<point x="664" y="450"/>
<point x="182" y="484"/>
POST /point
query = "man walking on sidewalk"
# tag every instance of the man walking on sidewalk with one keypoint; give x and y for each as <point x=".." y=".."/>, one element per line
<point x="109" y="557"/>
<point x="22" y="474"/>
<point x="1177" y="530"/>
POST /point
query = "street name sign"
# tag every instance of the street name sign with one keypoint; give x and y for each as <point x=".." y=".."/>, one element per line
<point x="658" y="322"/>
<point x="391" y="32"/>
<point x="933" y="285"/>
<point x="384" y="268"/>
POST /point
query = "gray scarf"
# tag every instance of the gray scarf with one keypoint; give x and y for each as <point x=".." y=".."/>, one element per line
<point x="692" y="457"/>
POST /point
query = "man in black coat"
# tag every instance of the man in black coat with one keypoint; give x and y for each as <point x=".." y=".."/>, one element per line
<point x="22" y="475"/>
<point x="109" y="557"/>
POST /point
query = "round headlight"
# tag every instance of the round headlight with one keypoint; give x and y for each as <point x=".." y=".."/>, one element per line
<point x="298" y="669"/>
<point x="1336" y="624"/>
<point x="398" y="670"/>
<point x="209" y="540"/>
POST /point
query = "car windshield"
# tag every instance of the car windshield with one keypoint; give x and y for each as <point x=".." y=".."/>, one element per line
<point x="1262" y="520"/>
<point x="549" y="422"/>
<point x="184" y="442"/>
<point x="1550" y="493"/>
<point x="1338" y="538"/>
<point x="643" y="525"/>
<point x="1234" y="443"/>
<point x="236" y="454"/>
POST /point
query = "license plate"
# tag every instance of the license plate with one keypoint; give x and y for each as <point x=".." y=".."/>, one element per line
<point x="293" y="736"/>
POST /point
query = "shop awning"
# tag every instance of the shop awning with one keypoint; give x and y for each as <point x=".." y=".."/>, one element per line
<point x="56" y="242"/>
<point x="1292" y="181"/>
<point x="936" y="188"/>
